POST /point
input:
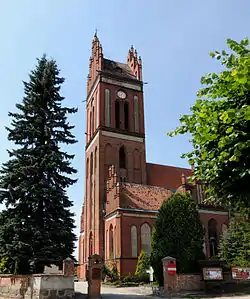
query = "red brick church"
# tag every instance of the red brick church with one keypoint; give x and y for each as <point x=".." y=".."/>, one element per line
<point x="122" y="191"/>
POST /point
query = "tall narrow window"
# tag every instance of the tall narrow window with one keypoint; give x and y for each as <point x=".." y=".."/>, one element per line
<point x="90" y="244"/>
<point x="97" y="111"/>
<point x="212" y="237"/>
<point x="107" y="244"/>
<point x="95" y="157"/>
<point x="136" y="114"/>
<point x="204" y="240"/>
<point x="134" y="241"/>
<point x="87" y="168"/>
<point x="107" y="107"/>
<point x="90" y="124"/>
<point x="117" y="114"/>
<point x="146" y="238"/>
<point x="111" y="242"/>
<point x="122" y="157"/>
<point x="126" y="116"/>
<point x="93" y="120"/>
<point x="114" y="241"/>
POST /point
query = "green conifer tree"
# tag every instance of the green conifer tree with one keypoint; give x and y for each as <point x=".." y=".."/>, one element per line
<point x="177" y="233"/>
<point x="37" y="225"/>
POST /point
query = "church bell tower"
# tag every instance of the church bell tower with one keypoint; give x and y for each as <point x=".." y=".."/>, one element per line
<point x="115" y="135"/>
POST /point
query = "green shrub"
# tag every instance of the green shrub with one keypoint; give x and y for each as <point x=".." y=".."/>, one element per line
<point x="4" y="266"/>
<point x="178" y="233"/>
<point x="111" y="274"/>
<point x="142" y="264"/>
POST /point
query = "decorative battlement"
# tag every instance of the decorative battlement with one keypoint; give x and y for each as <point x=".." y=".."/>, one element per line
<point x="95" y="62"/>
<point x="113" y="183"/>
<point x="135" y="63"/>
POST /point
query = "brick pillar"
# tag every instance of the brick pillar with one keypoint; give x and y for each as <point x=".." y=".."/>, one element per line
<point x="68" y="267"/>
<point x="169" y="274"/>
<point x="94" y="279"/>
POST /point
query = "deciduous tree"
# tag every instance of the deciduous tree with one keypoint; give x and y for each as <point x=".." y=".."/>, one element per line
<point x="219" y="125"/>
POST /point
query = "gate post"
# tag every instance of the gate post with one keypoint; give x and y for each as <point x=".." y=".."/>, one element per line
<point x="94" y="276"/>
<point x="169" y="273"/>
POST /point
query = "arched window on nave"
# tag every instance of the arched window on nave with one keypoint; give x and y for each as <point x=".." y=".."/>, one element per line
<point x="146" y="238"/>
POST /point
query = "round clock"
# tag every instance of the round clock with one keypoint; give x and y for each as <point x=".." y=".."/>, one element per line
<point x="121" y="94"/>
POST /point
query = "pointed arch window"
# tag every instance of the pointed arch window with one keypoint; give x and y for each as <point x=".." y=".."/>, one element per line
<point x="213" y="237"/>
<point x="107" y="107"/>
<point x="90" y="244"/>
<point x="117" y="114"/>
<point x="93" y="120"/>
<point x="107" y="244"/>
<point x="133" y="241"/>
<point x="111" y="242"/>
<point x="122" y="157"/>
<point x="90" y="124"/>
<point x="95" y="157"/>
<point x="126" y="115"/>
<point x="136" y="114"/>
<point x="146" y="238"/>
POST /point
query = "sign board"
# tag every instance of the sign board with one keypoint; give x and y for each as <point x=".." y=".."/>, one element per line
<point x="212" y="274"/>
<point x="171" y="268"/>
<point x="241" y="273"/>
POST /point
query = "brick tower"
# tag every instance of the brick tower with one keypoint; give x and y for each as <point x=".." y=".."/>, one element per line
<point x="115" y="135"/>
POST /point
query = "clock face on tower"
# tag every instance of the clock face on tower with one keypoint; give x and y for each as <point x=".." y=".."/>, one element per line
<point x="121" y="94"/>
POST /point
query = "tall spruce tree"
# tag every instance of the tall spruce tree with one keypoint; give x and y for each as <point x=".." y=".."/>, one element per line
<point x="234" y="245"/>
<point x="36" y="228"/>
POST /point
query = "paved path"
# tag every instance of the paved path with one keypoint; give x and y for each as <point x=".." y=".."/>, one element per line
<point x="109" y="292"/>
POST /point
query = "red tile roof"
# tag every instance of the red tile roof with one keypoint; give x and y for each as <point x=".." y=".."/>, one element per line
<point x="142" y="196"/>
<point x="165" y="176"/>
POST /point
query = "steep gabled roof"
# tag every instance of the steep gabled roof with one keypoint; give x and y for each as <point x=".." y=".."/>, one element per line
<point x="166" y="176"/>
<point x="142" y="196"/>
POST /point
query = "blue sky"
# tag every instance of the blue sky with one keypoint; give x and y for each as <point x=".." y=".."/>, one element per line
<point x="173" y="37"/>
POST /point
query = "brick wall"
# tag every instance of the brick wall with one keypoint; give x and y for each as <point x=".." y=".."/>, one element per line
<point x="36" y="286"/>
<point x="189" y="282"/>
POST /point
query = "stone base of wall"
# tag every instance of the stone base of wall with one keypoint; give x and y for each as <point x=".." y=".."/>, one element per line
<point x="53" y="286"/>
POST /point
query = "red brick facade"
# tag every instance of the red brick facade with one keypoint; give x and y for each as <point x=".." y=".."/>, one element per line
<point x="122" y="191"/>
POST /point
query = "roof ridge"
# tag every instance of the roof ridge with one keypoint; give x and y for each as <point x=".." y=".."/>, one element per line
<point x="172" y="166"/>
<point x="146" y="186"/>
